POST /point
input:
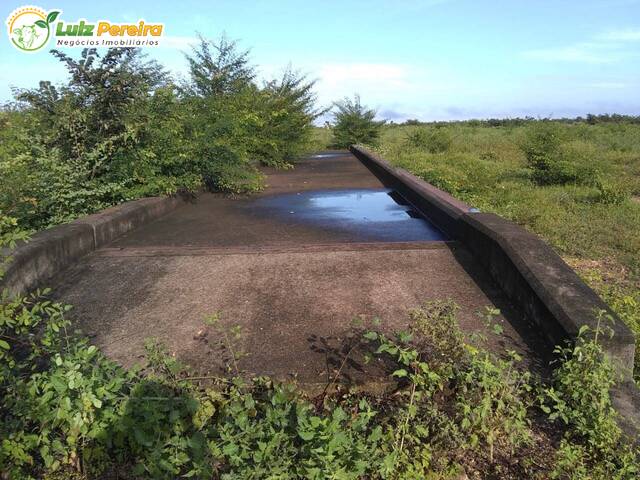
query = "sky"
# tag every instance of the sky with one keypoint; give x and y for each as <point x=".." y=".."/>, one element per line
<point x="429" y="59"/>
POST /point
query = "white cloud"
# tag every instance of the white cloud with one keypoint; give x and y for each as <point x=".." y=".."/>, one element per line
<point x="582" y="53"/>
<point x="340" y="78"/>
<point x="376" y="83"/>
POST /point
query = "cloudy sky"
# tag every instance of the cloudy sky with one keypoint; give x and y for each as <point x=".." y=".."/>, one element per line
<point x="429" y="59"/>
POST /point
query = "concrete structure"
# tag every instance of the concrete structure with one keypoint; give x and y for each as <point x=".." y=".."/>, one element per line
<point x="294" y="280"/>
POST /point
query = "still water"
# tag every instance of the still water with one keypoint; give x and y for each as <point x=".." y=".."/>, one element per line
<point x="368" y="214"/>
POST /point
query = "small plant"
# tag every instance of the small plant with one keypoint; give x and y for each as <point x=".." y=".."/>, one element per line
<point x="494" y="401"/>
<point x="610" y="194"/>
<point x="580" y="398"/>
<point x="231" y="338"/>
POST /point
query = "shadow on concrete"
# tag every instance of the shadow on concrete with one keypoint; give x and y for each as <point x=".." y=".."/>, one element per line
<point x="538" y="353"/>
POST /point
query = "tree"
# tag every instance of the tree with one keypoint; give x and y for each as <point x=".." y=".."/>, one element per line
<point x="287" y="114"/>
<point x="355" y="123"/>
<point x="89" y="118"/>
<point x="218" y="68"/>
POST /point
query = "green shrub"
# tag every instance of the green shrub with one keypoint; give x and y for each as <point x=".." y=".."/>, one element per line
<point x="609" y="193"/>
<point x="354" y="123"/>
<point x="580" y="398"/>
<point x="433" y="140"/>
<point x="542" y="149"/>
<point x="119" y="129"/>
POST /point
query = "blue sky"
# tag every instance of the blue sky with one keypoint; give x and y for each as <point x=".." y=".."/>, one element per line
<point x="430" y="59"/>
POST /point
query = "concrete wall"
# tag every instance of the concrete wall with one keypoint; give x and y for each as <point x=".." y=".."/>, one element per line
<point x="440" y="207"/>
<point x="50" y="251"/>
<point x="530" y="273"/>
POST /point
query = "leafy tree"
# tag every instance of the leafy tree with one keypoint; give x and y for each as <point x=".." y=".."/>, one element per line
<point x="119" y="129"/>
<point x="93" y="111"/>
<point x="238" y="123"/>
<point x="86" y="138"/>
<point x="355" y="123"/>
<point x="218" y="68"/>
<point x="287" y="114"/>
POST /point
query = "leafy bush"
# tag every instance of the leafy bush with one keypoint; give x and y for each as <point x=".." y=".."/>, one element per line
<point x="354" y="123"/>
<point x="433" y="140"/>
<point x="542" y="149"/>
<point x="580" y="398"/>
<point x="610" y="194"/>
<point x="119" y="129"/>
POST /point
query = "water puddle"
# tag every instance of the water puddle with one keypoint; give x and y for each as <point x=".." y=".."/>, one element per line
<point x="329" y="155"/>
<point x="365" y="214"/>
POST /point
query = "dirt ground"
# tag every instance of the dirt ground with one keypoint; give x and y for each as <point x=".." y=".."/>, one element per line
<point x="293" y="287"/>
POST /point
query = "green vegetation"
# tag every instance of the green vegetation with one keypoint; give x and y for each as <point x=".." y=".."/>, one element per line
<point x="575" y="183"/>
<point x="121" y="128"/>
<point x="455" y="408"/>
<point x="354" y="123"/>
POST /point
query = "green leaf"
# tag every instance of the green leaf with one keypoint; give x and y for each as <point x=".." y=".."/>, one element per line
<point x="306" y="436"/>
<point x="52" y="16"/>
<point x="4" y="345"/>
<point x="400" y="373"/>
<point x="371" y="336"/>
<point x="41" y="23"/>
<point x="142" y="438"/>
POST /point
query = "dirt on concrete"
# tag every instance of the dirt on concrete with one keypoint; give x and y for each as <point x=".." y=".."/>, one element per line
<point x="293" y="288"/>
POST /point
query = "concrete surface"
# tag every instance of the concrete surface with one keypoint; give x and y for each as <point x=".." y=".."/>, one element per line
<point x="292" y="285"/>
<point x="49" y="252"/>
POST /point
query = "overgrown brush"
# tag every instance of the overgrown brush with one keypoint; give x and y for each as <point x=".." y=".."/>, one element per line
<point x="433" y="140"/>
<point x="120" y="129"/>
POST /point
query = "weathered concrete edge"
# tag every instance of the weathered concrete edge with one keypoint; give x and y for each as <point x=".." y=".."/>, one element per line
<point x="52" y="250"/>
<point x="440" y="207"/>
<point x="530" y="273"/>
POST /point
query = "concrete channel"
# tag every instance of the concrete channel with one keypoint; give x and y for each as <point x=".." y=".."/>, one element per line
<point x="324" y="243"/>
<point x="342" y="236"/>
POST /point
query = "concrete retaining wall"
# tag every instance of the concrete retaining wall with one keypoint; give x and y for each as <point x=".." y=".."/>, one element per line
<point x="50" y="251"/>
<point x="440" y="207"/>
<point x="532" y="275"/>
